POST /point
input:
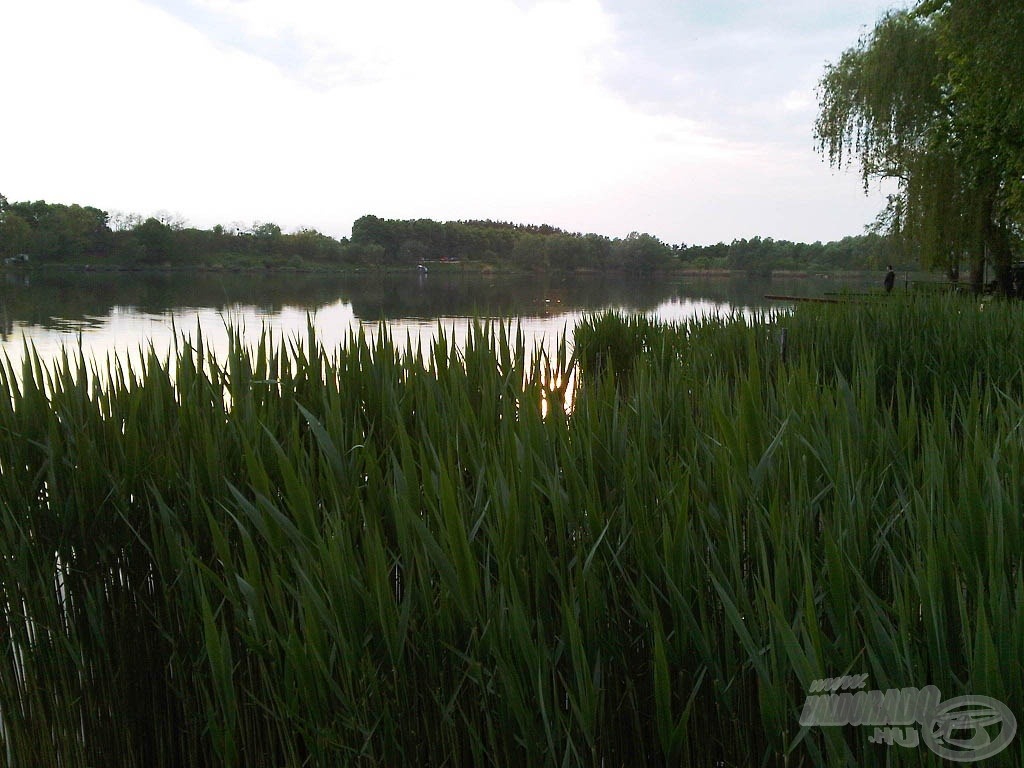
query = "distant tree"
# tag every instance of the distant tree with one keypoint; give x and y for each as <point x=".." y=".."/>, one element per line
<point x="266" y="231"/>
<point x="175" y="221"/>
<point x="63" y="232"/>
<point x="121" y="221"/>
<point x="364" y="253"/>
<point x="15" y="234"/>
<point x="311" y="244"/>
<point x="156" y="240"/>
<point x="528" y="252"/>
<point x="641" y="252"/>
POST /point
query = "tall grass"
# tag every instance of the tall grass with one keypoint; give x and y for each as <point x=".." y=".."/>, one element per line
<point x="382" y="555"/>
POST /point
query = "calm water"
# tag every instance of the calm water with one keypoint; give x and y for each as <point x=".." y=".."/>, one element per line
<point x="115" y="313"/>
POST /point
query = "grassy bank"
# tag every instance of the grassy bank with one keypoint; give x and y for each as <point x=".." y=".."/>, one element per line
<point x="384" y="556"/>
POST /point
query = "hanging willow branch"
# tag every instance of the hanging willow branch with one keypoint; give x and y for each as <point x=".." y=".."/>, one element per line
<point x="893" y="106"/>
<point x="880" y="104"/>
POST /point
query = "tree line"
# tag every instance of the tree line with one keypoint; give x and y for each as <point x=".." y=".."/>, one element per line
<point x="53" y="233"/>
<point x="545" y="247"/>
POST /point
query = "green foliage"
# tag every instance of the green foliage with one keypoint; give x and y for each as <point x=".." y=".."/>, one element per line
<point x="610" y="343"/>
<point x="414" y="556"/>
<point x="879" y="102"/>
<point x="983" y="40"/>
<point x="407" y="242"/>
<point x="862" y="252"/>
<point x="156" y="240"/>
<point x="641" y="252"/>
<point x="15" y="234"/>
<point x="56" y="233"/>
<point x="931" y="99"/>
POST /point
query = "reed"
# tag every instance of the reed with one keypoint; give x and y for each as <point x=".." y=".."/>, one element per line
<point x="385" y="555"/>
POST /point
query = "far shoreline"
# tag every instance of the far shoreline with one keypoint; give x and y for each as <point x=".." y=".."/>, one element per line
<point x="449" y="268"/>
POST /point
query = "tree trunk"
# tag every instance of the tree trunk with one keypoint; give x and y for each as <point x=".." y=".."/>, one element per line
<point x="979" y="241"/>
<point x="1001" y="255"/>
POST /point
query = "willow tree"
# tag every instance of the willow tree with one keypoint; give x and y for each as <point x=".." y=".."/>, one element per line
<point x="899" y="105"/>
<point x="984" y="42"/>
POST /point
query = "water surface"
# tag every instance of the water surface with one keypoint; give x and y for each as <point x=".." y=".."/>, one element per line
<point x="116" y="313"/>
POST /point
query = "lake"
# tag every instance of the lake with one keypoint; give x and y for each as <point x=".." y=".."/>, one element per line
<point x="118" y="312"/>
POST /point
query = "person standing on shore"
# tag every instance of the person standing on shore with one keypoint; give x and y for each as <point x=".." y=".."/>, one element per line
<point x="890" y="279"/>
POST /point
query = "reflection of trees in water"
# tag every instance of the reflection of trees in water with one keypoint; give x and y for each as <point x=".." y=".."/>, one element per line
<point x="52" y="300"/>
<point x="747" y="291"/>
<point x="6" y="323"/>
<point x="428" y="296"/>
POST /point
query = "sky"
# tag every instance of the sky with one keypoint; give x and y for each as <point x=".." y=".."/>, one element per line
<point x="689" y="120"/>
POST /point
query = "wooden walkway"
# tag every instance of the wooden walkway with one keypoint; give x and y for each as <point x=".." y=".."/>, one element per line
<point x="815" y="299"/>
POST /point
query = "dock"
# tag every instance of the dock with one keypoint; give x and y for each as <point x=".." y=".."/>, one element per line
<point x="815" y="299"/>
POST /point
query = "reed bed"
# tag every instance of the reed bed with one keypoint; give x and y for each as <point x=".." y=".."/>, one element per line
<point x="379" y="555"/>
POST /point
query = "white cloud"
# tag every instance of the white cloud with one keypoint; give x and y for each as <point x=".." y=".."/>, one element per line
<point x="313" y="113"/>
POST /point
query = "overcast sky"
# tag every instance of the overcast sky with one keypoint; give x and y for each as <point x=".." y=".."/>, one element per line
<point x="690" y="120"/>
